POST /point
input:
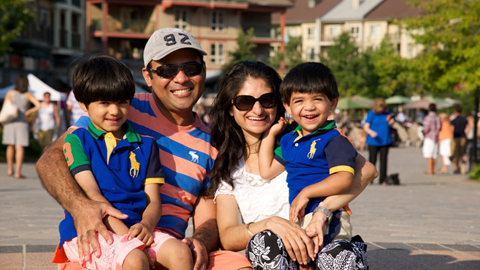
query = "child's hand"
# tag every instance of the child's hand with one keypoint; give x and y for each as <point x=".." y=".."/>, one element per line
<point x="297" y="209"/>
<point x="276" y="128"/>
<point x="142" y="233"/>
<point x="373" y="134"/>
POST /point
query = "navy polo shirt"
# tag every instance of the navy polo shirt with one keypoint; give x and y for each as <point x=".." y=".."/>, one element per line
<point x="312" y="158"/>
<point x="121" y="169"/>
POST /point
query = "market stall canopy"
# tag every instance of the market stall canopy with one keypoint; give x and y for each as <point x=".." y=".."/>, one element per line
<point x="423" y="104"/>
<point x="350" y="104"/>
<point x="364" y="100"/>
<point x="398" y="99"/>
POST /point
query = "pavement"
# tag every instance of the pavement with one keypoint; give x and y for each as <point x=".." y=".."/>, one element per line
<point x="428" y="222"/>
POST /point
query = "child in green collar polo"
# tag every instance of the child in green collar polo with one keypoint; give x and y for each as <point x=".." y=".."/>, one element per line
<point x="318" y="157"/>
<point x="114" y="164"/>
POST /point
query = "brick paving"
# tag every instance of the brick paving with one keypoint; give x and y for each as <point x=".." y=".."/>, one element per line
<point x="428" y="222"/>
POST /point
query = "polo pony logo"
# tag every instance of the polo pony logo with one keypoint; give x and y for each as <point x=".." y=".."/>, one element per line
<point x="312" y="149"/>
<point x="135" y="166"/>
<point x="194" y="156"/>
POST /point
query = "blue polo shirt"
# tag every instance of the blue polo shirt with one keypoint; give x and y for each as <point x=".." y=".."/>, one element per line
<point x="121" y="169"/>
<point x="379" y="123"/>
<point x="312" y="158"/>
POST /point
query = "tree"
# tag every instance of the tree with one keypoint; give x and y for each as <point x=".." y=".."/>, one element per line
<point x="244" y="50"/>
<point x="450" y="34"/>
<point x="352" y="70"/>
<point x="16" y="15"/>
<point x="293" y="52"/>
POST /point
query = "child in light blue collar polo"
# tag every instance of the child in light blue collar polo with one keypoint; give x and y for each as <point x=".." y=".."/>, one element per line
<point x="318" y="157"/>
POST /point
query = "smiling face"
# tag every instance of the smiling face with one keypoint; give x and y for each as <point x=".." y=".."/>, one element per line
<point x="177" y="95"/>
<point x="108" y="116"/>
<point x="258" y="119"/>
<point x="310" y="110"/>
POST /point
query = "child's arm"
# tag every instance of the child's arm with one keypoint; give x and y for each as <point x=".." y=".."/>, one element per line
<point x="337" y="183"/>
<point x="143" y="231"/>
<point x="86" y="180"/>
<point x="269" y="167"/>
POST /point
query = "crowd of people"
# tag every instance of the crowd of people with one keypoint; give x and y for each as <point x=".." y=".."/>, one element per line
<point x="136" y="168"/>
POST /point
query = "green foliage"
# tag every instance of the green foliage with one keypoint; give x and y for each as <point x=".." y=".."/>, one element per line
<point x="450" y="34"/>
<point x="16" y="15"/>
<point x="276" y="59"/>
<point x="475" y="173"/>
<point x="244" y="49"/>
<point x="293" y="52"/>
<point x="352" y="69"/>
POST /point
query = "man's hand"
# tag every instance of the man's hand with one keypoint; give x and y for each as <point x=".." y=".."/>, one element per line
<point x="199" y="252"/>
<point x="88" y="221"/>
<point x="316" y="229"/>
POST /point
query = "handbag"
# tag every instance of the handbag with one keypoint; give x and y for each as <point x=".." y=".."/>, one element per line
<point x="9" y="112"/>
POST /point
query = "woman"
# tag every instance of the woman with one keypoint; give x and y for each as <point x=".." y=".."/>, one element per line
<point x="379" y="137"/>
<point x="445" y="138"/>
<point x="15" y="133"/>
<point x="48" y="122"/>
<point x="238" y="122"/>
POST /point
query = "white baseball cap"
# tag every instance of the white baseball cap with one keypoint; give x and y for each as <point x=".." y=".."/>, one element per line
<point x="167" y="40"/>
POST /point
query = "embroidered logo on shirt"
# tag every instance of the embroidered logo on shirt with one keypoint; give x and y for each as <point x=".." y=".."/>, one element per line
<point x="312" y="149"/>
<point x="134" y="163"/>
<point x="194" y="156"/>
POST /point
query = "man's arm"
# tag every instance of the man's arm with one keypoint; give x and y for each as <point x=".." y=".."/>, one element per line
<point x="205" y="235"/>
<point x="56" y="178"/>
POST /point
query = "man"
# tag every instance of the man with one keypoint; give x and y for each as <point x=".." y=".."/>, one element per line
<point x="175" y="70"/>
<point x="431" y="129"/>
<point x="460" y="124"/>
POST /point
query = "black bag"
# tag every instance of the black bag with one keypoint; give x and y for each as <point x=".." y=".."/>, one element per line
<point x="393" y="179"/>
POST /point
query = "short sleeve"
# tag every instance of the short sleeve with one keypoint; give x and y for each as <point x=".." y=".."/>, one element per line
<point x="369" y="117"/>
<point x="74" y="154"/>
<point x="154" y="173"/>
<point x="340" y="155"/>
<point x="279" y="157"/>
<point x="223" y="189"/>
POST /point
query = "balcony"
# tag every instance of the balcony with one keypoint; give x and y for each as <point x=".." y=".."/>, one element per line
<point x="237" y="4"/>
<point x="40" y="33"/>
<point x="123" y="26"/>
<point x="263" y="31"/>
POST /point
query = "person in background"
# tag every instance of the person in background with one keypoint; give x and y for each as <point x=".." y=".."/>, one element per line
<point x="460" y="128"/>
<point x="431" y="129"/>
<point x="48" y="121"/>
<point x="16" y="133"/>
<point x="73" y="109"/>
<point x="379" y="137"/>
<point x="445" y="139"/>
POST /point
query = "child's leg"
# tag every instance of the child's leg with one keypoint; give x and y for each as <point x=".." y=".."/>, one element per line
<point x="174" y="254"/>
<point x="136" y="259"/>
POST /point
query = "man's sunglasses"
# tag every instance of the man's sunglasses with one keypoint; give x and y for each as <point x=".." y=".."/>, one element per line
<point x="246" y="103"/>
<point x="170" y="71"/>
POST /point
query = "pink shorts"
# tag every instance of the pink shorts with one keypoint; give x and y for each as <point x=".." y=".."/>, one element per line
<point x="113" y="255"/>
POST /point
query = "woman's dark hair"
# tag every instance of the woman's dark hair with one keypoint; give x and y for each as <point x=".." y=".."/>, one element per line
<point x="102" y="78"/>
<point x="226" y="134"/>
<point x="21" y="83"/>
<point x="310" y="77"/>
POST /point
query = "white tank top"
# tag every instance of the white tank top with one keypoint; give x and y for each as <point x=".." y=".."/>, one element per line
<point x="46" y="118"/>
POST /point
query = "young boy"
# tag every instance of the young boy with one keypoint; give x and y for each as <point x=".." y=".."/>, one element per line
<point x="315" y="151"/>
<point x="114" y="164"/>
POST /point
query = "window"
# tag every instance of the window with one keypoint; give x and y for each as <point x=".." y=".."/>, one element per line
<point x="181" y="19"/>
<point x="217" y="55"/>
<point x="355" y="31"/>
<point x="375" y="32"/>
<point x="311" y="33"/>
<point x="291" y="31"/>
<point x="310" y="54"/>
<point x="217" y="22"/>
<point x="334" y="31"/>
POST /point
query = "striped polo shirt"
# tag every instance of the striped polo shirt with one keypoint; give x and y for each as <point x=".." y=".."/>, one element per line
<point x="186" y="156"/>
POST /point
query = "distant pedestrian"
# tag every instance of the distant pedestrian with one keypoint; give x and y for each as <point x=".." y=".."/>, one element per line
<point x="459" y="141"/>
<point x="445" y="139"/>
<point x="431" y="129"/>
<point x="379" y="137"/>
<point x="74" y="111"/>
<point x="48" y="121"/>
<point x="15" y="133"/>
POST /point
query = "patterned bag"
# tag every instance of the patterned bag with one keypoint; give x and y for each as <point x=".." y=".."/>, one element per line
<point x="9" y="112"/>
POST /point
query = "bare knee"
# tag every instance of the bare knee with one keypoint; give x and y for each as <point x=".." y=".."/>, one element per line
<point x="136" y="259"/>
<point x="175" y="254"/>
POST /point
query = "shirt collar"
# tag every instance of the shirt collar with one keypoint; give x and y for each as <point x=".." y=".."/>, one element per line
<point x="329" y="126"/>
<point x="130" y="134"/>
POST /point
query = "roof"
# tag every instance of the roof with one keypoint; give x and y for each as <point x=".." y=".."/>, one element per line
<point x="274" y="3"/>
<point x="345" y="11"/>
<point x="393" y="9"/>
<point x="302" y="13"/>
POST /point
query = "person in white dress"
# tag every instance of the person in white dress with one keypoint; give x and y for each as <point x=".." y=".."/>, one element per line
<point x="48" y="122"/>
<point x="249" y="208"/>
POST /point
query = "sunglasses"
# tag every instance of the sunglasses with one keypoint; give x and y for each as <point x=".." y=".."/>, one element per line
<point x="246" y="103"/>
<point x="170" y="71"/>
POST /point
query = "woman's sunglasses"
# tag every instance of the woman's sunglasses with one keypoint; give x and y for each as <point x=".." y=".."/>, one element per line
<point x="246" y="103"/>
<point x="170" y="71"/>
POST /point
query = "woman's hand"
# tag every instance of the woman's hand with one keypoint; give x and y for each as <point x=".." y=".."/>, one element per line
<point x="298" y="245"/>
<point x="316" y="229"/>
